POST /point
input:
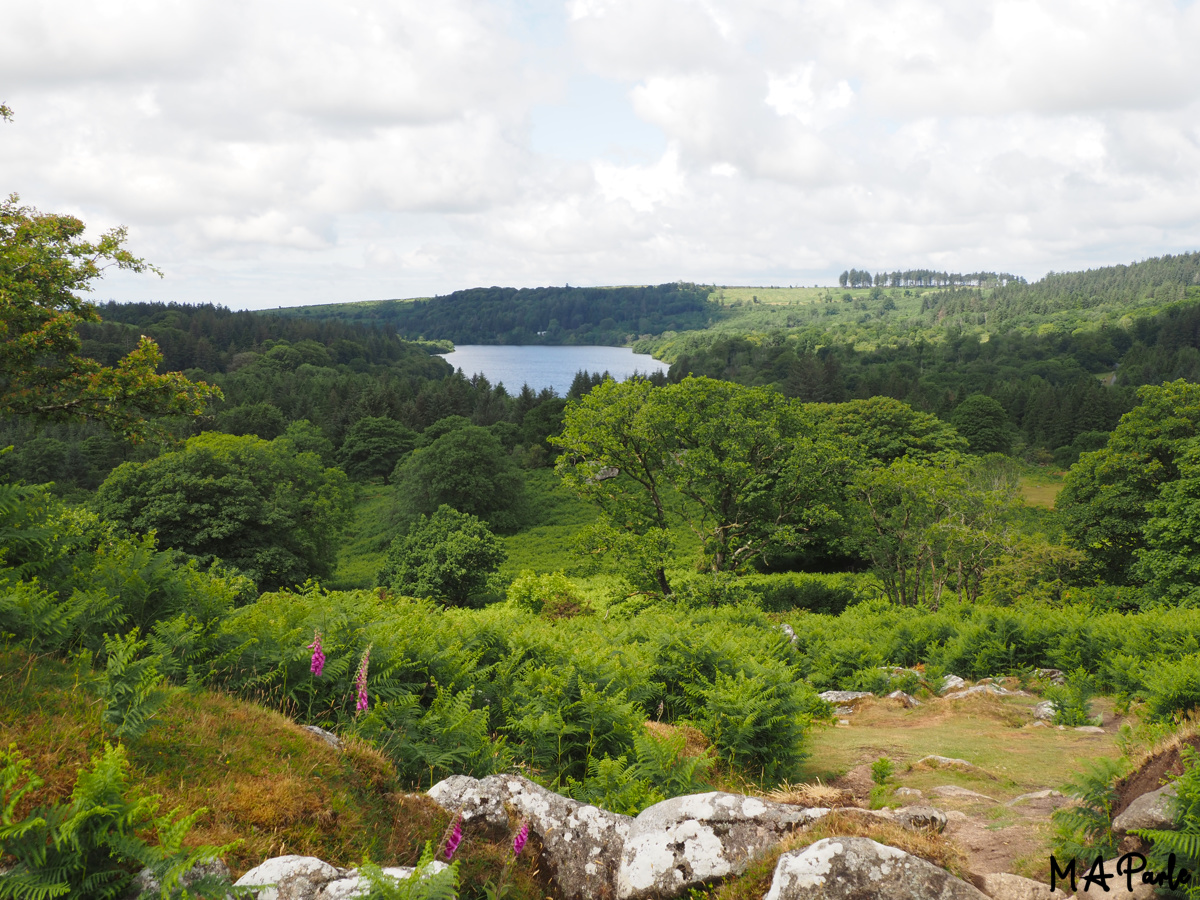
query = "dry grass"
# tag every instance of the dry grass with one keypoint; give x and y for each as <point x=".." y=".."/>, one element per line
<point x="695" y="743"/>
<point x="263" y="780"/>
<point x="812" y="795"/>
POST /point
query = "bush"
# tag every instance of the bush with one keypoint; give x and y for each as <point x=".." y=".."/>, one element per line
<point x="1084" y="831"/>
<point x="552" y="593"/>
<point x="829" y="595"/>
<point x="449" y="556"/>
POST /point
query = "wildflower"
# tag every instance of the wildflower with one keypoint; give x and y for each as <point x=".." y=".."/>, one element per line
<point x="521" y="838"/>
<point x="454" y="839"/>
<point x="360" y="682"/>
<point x="318" y="657"/>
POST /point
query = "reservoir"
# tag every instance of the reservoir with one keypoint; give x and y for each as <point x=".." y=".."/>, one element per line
<point x="541" y="366"/>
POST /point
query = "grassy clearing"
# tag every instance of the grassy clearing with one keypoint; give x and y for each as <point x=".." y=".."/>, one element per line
<point x="990" y="733"/>
<point x="364" y="543"/>
<point x="1041" y="489"/>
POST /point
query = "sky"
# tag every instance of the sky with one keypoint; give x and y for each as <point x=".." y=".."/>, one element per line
<point x="268" y="154"/>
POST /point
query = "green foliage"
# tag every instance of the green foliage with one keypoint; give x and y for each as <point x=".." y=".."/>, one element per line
<point x="882" y="770"/>
<point x="1169" y="563"/>
<point x="44" y="264"/>
<point x="661" y="769"/>
<point x="86" y="848"/>
<point x="532" y="592"/>
<point x="755" y="722"/>
<point x="982" y="421"/>
<point x="257" y="505"/>
<point x="1172" y="687"/>
<point x="373" y="446"/>
<point x="1084" y="831"/>
<point x="742" y="468"/>
<point x="1072" y="701"/>
<point x="427" y="745"/>
<point x="1184" y="840"/>
<point x="423" y="884"/>
<point x="1108" y="496"/>
<point x="450" y="556"/>
<point x="467" y="469"/>
<point x="887" y="430"/>
<point x="25" y="537"/>
<point x="130" y="688"/>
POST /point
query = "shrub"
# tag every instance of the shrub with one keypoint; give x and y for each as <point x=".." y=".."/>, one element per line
<point x="449" y="556"/>
<point x="534" y="592"/>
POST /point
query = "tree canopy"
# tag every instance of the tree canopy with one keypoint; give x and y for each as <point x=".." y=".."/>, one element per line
<point x="468" y="469"/>
<point x="259" y="506"/>
<point x="44" y="263"/>
<point x="745" y="469"/>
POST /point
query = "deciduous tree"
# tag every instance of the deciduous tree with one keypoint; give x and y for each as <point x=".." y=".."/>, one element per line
<point x="44" y="263"/>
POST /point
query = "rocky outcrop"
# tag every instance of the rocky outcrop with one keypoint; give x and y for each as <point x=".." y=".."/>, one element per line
<point x="688" y="841"/>
<point x="146" y="884"/>
<point x="327" y="737"/>
<point x="1152" y="810"/>
<point x="581" y="844"/>
<point x="841" y="868"/>
<point x="951" y="683"/>
<point x="1003" y="886"/>
<point x="844" y="697"/>
<point x="1045" y="710"/>
<point x="308" y="878"/>
<point x="920" y="818"/>
<point x="983" y="690"/>
<point x="289" y="878"/>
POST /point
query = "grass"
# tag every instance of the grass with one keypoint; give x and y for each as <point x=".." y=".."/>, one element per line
<point x="1041" y="489"/>
<point x="986" y="732"/>
<point x="364" y="543"/>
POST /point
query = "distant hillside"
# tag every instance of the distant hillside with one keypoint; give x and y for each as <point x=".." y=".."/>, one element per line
<point x="546" y="315"/>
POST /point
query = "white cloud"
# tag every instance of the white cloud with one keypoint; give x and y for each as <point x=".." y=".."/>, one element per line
<point x="266" y="152"/>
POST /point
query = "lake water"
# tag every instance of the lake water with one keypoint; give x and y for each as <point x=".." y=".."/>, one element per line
<point x="541" y="367"/>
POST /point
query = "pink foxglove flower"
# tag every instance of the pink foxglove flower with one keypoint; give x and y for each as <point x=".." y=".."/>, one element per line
<point x="521" y="838"/>
<point x="318" y="657"/>
<point x="454" y="839"/>
<point x="360" y="682"/>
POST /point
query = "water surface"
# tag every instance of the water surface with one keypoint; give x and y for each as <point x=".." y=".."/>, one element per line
<point x="541" y="367"/>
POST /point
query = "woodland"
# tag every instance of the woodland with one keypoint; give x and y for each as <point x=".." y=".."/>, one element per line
<point x="308" y="513"/>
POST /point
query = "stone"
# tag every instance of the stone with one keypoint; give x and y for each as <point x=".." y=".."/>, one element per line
<point x="920" y="818"/>
<point x="788" y="631"/>
<point x="1152" y="810"/>
<point x="843" y="710"/>
<point x="841" y="868"/>
<point x="1089" y="729"/>
<point x="327" y="736"/>
<point x="145" y="882"/>
<point x="1045" y="710"/>
<point x="908" y="700"/>
<point x="355" y="885"/>
<point x="289" y="878"/>
<point x="946" y="762"/>
<point x="951" y="683"/>
<point x="909" y="792"/>
<point x="1005" y="886"/>
<point x="1035" y="795"/>
<point x="1054" y="676"/>
<point x="581" y="844"/>
<point x="960" y="793"/>
<point x="689" y="841"/>
<point x="840" y="697"/>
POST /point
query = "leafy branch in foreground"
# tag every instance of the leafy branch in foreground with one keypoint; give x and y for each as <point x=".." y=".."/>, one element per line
<point x="44" y="263"/>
